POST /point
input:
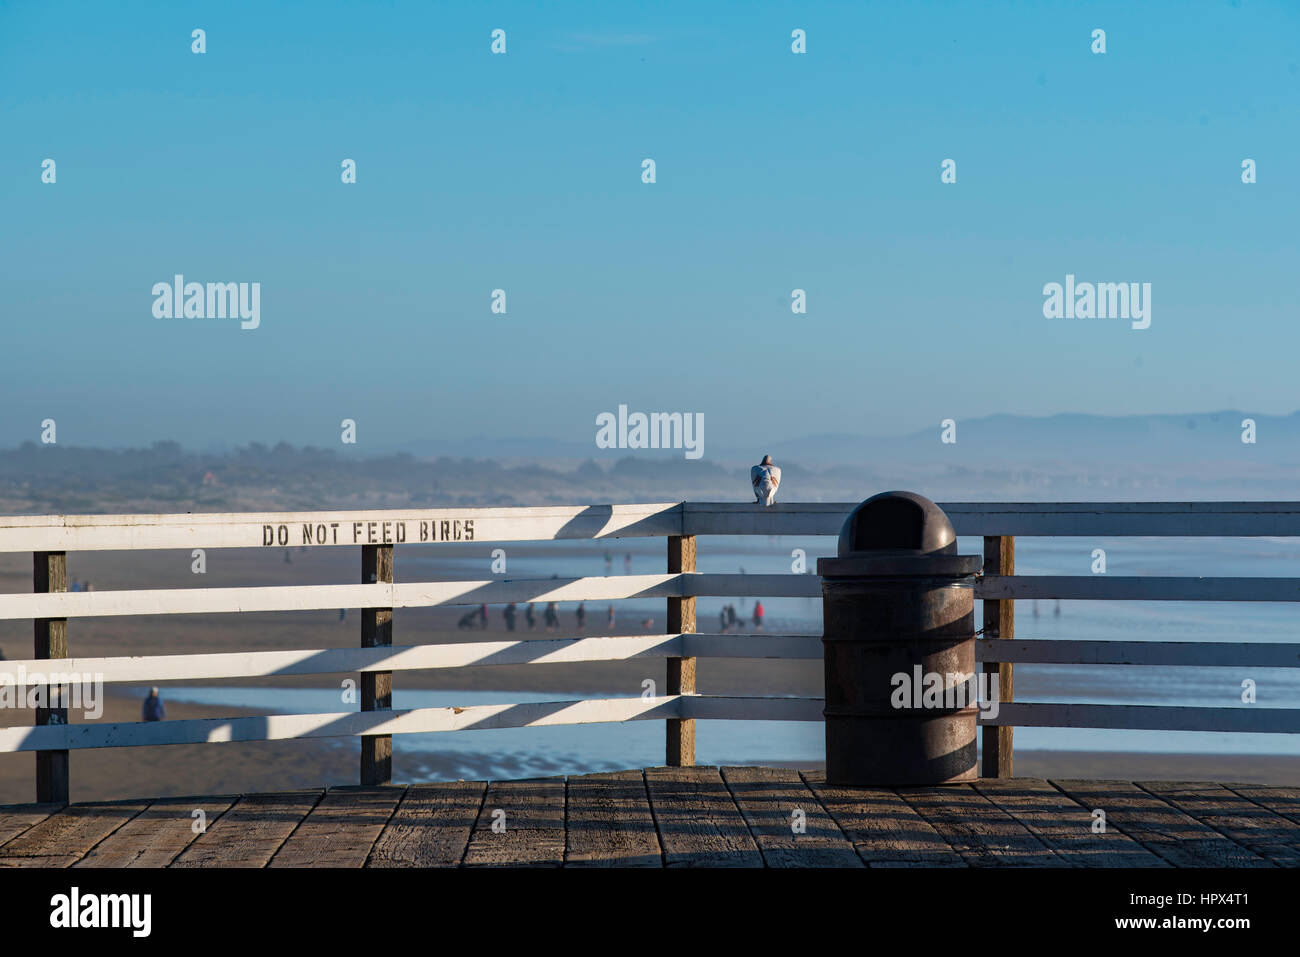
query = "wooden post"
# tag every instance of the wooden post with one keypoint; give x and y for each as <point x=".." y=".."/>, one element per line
<point x="999" y="622"/>
<point x="376" y="686"/>
<point x="50" y="574"/>
<point x="680" y="750"/>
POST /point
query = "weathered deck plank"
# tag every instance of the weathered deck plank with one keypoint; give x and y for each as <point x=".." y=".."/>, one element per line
<point x="249" y="834"/>
<point x="530" y="825"/>
<point x="1064" y="825"/>
<point x="609" y="822"/>
<point x="769" y="799"/>
<point x="156" y="836"/>
<point x="17" y="818"/>
<point x="341" y="829"/>
<point x="1280" y="800"/>
<point x="1271" y="836"/>
<point x="978" y="830"/>
<point x="679" y="817"/>
<point x="431" y="827"/>
<point x="1159" y="826"/>
<point x="885" y="830"/>
<point x="62" y="839"/>
<point x="698" y="822"/>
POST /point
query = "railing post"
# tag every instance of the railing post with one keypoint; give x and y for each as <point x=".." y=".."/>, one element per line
<point x="376" y="686"/>
<point x="50" y="574"/>
<point x="680" y="750"/>
<point x="999" y="622"/>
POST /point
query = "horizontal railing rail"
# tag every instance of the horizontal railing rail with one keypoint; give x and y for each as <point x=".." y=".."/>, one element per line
<point x="379" y="532"/>
<point x="33" y="533"/>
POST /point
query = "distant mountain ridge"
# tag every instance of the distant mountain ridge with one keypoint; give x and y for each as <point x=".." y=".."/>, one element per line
<point x="1010" y="440"/>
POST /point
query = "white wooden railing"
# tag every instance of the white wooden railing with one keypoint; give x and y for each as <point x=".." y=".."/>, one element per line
<point x="378" y="533"/>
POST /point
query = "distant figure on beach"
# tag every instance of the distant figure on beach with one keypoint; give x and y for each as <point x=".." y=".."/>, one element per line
<point x="648" y="624"/>
<point x="153" y="709"/>
<point x="1056" y="613"/>
<point x="482" y="615"/>
<point x="609" y="617"/>
<point x="765" y="477"/>
<point x="509" y="616"/>
<point x="732" y="618"/>
<point x="75" y="586"/>
<point x="343" y="614"/>
<point x="758" y="615"/>
<point x="609" y="563"/>
<point x="581" y="615"/>
<point x="467" y="620"/>
<point x="627" y="564"/>
<point x="722" y="620"/>
<point x="529" y="618"/>
<point x="551" y="616"/>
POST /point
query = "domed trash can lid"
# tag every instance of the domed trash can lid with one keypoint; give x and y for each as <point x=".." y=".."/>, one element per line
<point x="897" y="533"/>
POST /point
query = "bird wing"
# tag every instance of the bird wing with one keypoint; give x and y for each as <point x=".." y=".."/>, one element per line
<point x="775" y="473"/>
<point x="755" y="475"/>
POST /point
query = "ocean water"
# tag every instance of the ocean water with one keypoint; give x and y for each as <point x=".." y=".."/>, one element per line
<point x="581" y="748"/>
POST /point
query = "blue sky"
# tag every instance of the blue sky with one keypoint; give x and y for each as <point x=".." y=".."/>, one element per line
<point x="523" y="171"/>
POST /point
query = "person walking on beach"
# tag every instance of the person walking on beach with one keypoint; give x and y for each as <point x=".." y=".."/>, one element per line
<point x="581" y="615"/>
<point x="609" y="563"/>
<point x="153" y="709"/>
<point x="482" y="616"/>
<point x="758" y="615"/>
<point x="627" y="564"/>
<point x="732" y="618"/>
<point x="722" y="619"/>
<point x="509" y="616"/>
<point x="529" y="618"/>
<point x="609" y="618"/>
<point x="551" y="616"/>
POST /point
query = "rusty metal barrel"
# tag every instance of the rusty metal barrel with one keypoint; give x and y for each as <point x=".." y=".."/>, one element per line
<point x="899" y="641"/>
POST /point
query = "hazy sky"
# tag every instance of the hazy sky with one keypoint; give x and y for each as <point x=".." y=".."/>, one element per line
<point x="522" y="171"/>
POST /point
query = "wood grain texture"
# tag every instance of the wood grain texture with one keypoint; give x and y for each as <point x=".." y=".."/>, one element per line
<point x="158" y="835"/>
<point x="978" y="829"/>
<point x="999" y="623"/>
<point x="1064" y="825"/>
<point x="50" y="640"/>
<point x="1159" y="826"/>
<point x="1272" y="836"/>
<point x="768" y="799"/>
<point x="679" y="740"/>
<point x="17" y="818"/>
<point x="533" y="818"/>
<point x="1280" y="800"/>
<point x="249" y="834"/>
<point x="884" y="829"/>
<point x="698" y="822"/>
<point x="376" y="686"/>
<point x="64" y="838"/>
<point x="341" y="830"/>
<point x="431" y="827"/>
<point x="609" y="822"/>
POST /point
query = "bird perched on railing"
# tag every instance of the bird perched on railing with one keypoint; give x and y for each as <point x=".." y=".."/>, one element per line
<point x="765" y="477"/>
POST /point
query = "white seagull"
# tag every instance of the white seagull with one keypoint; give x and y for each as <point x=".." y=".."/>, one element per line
<point x="766" y="478"/>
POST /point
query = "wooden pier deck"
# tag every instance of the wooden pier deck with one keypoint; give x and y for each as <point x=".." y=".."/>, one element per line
<point x="676" y="817"/>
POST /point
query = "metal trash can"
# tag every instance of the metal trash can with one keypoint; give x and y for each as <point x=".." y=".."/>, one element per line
<point x="899" y="637"/>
